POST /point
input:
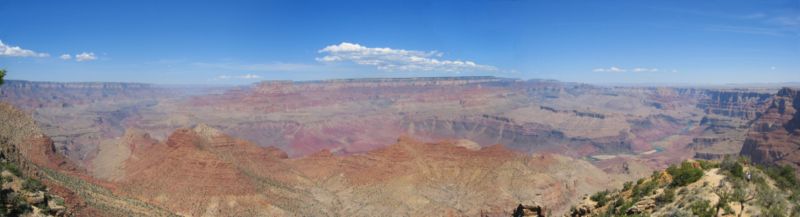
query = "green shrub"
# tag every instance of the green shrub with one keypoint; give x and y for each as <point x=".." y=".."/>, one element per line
<point x="732" y="167"/>
<point x="774" y="211"/>
<point x="627" y="186"/>
<point x="783" y="175"/>
<point x="702" y="208"/>
<point x="59" y="201"/>
<point x="771" y="201"/>
<point x="12" y="168"/>
<point x="33" y="185"/>
<point x="625" y="206"/>
<point x="18" y="206"/>
<point x="2" y="74"/>
<point x="667" y="197"/>
<point x="618" y="203"/>
<point x="684" y="175"/>
<point x="706" y="165"/>
<point x="600" y="197"/>
<point x="643" y="190"/>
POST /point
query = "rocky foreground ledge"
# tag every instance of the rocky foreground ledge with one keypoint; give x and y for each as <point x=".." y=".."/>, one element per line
<point x="730" y="187"/>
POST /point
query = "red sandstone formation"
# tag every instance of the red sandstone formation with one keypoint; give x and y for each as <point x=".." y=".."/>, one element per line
<point x="346" y="159"/>
<point x="775" y="136"/>
<point x="200" y="170"/>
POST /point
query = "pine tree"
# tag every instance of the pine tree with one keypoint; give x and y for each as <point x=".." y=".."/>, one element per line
<point x="2" y="74"/>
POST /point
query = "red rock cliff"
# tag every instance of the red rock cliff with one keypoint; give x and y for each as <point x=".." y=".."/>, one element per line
<point x="774" y="138"/>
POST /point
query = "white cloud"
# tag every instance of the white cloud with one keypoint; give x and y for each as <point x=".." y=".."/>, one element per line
<point x="245" y="76"/>
<point x="16" y="51"/>
<point x="645" y="69"/>
<point x="389" y="59"/>
<point x="85" y="56"/>
<point x="636" y="69"/>
<point x="65" y="57"/>
<point x="612" y="69"/>
<point x="249" y="76"/>
<point x="773" y="68"/>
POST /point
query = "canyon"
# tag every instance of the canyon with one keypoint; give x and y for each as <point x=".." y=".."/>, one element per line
<point x="445" y="146"/>
<point x="774" y="137"/>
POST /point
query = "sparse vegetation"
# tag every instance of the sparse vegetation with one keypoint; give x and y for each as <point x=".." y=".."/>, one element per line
<point x="771" y="201"/>
<point x="741" y="194"/>
<point x="741" y="191"/>
<point x="732" y="168"/>
<point x="667" y="197"/>
<point x="706" y="165"/>
<point x="618" y="203"/>
<point x="702" y="208"/>
<point x="103" y="199"/>
<point x="684" y="174"/>
<point x="33" y="185"/>
<point x="627" y="186"/>
<point x="600" y="197"/>
<point x="643" y="190"/>
<point x="11" y="168"/>
<point x="784" y="176"/>
<point x="12" y="202"/>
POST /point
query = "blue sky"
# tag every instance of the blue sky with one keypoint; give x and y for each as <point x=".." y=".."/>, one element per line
<point x="238" y="42"/>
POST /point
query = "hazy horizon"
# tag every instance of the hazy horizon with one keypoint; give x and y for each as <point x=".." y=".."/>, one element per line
<point x="793" y="84"/>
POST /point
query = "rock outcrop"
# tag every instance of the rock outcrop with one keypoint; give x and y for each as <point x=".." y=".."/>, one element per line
<point x="530" y="210"/>
<point x="23" y="143"/>
<point x="27" y="197"/>
<point x="743" y="104"/>
<point x="774" y="138"/>
<point x="201" y="170"/>
<point x="728" y="187"/>
<point x="332" y="145"/>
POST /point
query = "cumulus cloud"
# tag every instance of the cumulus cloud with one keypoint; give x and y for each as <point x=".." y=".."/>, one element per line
<point x="611" y="69"/>
<point x="85" y="57"/>
<point x="245" y="76"/>
<point x="16" y="51"/>
<point x="389" y="59"/>
<point x="65" y="57"/>
<point x="645" y="69"/>
<point x="619" y="69"/>
<point x="249" y="76"/>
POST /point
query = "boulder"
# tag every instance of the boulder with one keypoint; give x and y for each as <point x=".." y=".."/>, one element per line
<point x="643" y="206"/>
<point x="56" y="208"/>
<point x="34" y="198"/>
<point x="534" y="210"/>
<point x="7" y="174"/>
<point x="580" y="211"/>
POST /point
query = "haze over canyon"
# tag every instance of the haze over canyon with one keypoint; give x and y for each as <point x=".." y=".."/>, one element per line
<point x="388" y="147"/>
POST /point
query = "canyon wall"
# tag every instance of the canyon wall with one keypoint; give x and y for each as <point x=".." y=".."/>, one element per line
<point x="774" y="137"/>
